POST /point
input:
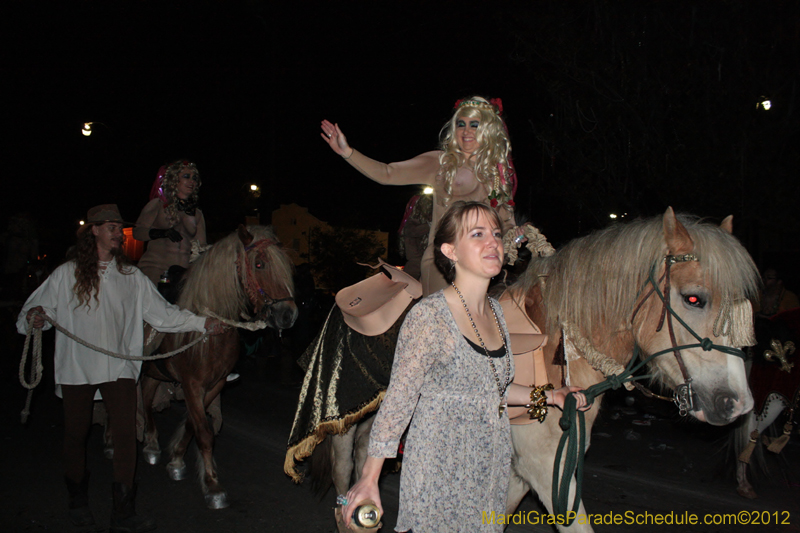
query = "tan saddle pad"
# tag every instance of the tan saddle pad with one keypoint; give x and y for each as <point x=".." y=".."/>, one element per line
<point x="527" y="345"/>
<point x="371" y="306"/>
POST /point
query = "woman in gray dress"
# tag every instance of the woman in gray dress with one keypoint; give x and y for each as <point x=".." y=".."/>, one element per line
<point x="451" y="380"/>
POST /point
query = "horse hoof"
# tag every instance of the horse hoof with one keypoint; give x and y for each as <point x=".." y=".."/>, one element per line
<point x="108" y="453"/>
<point x="747" y="492"/>
<point x="152" y="457"/>
<point x="218" y="500"/>
<point x="176" y="473"/>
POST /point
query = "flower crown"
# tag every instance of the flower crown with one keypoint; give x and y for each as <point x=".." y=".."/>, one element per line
<point x="495" y="104"/>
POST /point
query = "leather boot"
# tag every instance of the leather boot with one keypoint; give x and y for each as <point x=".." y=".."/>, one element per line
<point x="79" y="512"/>
<point x="123" y="516"/>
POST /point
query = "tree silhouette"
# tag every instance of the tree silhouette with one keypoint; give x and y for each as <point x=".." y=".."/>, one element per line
<point x="335" y="252"/>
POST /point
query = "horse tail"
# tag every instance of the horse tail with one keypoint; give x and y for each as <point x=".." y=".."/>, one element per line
<point x="320" y="468"/>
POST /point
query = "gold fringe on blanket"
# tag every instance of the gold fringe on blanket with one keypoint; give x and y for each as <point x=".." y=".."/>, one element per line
<point x="347" y="374"/>
<point x="340" y="426"/>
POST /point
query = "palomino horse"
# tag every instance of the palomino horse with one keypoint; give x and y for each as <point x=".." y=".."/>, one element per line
<point x="618" y="288"/>
<point x="245" y="274"/>
<point x="596" y="289"/>
<point x="775" y="383"/>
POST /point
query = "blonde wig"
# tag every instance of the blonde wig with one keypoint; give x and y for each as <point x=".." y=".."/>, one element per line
<point x="170" y="186"/>
<point x="492" y="156"/>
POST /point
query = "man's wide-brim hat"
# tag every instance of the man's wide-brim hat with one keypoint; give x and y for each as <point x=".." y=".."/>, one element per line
<point x="100" y="214"/>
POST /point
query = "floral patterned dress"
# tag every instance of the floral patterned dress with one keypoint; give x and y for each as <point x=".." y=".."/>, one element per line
<point x="457" y="454"/>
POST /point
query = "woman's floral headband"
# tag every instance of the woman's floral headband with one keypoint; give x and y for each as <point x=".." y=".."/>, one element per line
<point x="495" y="104"/>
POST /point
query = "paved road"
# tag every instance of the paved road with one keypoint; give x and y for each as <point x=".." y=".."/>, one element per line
<point x="671" y="467"/>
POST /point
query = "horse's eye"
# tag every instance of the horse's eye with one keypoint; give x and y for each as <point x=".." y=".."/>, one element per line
<point x="694" y="300"/>
<point x="260" y="264"/>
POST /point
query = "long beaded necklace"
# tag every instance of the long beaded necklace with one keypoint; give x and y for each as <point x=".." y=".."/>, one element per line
<point x="500" y="388"/>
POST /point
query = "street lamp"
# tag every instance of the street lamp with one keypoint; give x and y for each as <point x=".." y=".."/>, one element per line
<point x="255" y="190"/>
<point x="427" y="190"/>
<point x="764" y="104"/>
<point x="87" y="128"/>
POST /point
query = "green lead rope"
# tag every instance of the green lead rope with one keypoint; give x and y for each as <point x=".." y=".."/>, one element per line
<point x="573" y="422"/>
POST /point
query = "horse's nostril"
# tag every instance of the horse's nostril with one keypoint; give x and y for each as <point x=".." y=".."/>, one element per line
<point x="725" y="405"/>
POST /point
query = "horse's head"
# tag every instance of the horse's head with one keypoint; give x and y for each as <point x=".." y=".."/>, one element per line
<point x="265" y="272"/>
<point x="696" y="310"/>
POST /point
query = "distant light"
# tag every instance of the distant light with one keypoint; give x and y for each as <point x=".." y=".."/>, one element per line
<point x="87" y="129"/>
<point x="81" y="222"/>
<point x="254" y="187"/>
<point x="612" y="215"/>
<point x="764" y="104"/>
<point x="427" y="190"/>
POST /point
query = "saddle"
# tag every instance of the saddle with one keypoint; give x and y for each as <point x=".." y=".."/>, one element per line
<point x="170" y="288"/>
<point x="527" y="346"/>
<point x="371" y="306"/>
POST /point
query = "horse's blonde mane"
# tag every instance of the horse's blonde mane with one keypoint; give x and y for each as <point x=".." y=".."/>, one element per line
<point x="217" y="268"/>
<point x="593" y="282"/>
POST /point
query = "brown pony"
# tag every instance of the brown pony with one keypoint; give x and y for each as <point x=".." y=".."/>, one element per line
<point x="245" y="274"/>
<point x="596" y="291"/>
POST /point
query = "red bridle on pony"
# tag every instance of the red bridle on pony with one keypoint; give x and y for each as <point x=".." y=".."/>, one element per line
<point x="255" y="293"/>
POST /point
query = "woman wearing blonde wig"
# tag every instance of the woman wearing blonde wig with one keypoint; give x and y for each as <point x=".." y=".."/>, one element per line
<point x="171" y="220"/>
<point x="472" y="164"/>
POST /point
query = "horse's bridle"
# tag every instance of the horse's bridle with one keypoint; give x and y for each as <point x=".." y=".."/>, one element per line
<point x="573" y="439"/>
<point x="683" y="396"/>
<point x="254" y="291"/>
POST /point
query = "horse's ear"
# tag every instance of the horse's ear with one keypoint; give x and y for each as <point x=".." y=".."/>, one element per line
<point x="727" y="224"/>
<point x="245" y="236"/>
<point x="679" y="241"/>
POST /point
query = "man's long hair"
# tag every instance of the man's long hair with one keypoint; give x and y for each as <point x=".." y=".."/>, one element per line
<point x="87" y="277"/>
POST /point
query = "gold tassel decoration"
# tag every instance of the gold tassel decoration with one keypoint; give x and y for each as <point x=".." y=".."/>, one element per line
<point x="735" y="319"/>
<point x="776" y="446"/>
<point x="748" y="450"/>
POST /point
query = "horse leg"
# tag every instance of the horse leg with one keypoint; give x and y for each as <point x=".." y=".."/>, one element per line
<point x="100" y="416"/>
<point x="197" y="401"/>
<point x="741" y="439"/>
<point x="342" y="459"/>
<point x="517" y="489"/>
<point x="360" y="446"/>
<point x="151" y="449"/>
<point x="176" y="468"/>
<point x="108" y="443"/>
<point x="534" y="456"/>
<point x="773" y="406"/>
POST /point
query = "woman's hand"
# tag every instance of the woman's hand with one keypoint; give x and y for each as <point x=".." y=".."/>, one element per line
<point x="38" y="316"/>
<point x="519" y="231"/>
<point x="215" y="326"/>
<point x="332" y="135"/>
<point x="556" y="397"/>
<point x="365" y="489"/>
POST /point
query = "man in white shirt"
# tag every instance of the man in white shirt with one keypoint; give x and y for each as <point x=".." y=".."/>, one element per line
<point x="102" y="299"/>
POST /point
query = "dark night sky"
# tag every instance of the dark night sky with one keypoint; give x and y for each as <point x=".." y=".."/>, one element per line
<point x="240" y="87"/>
